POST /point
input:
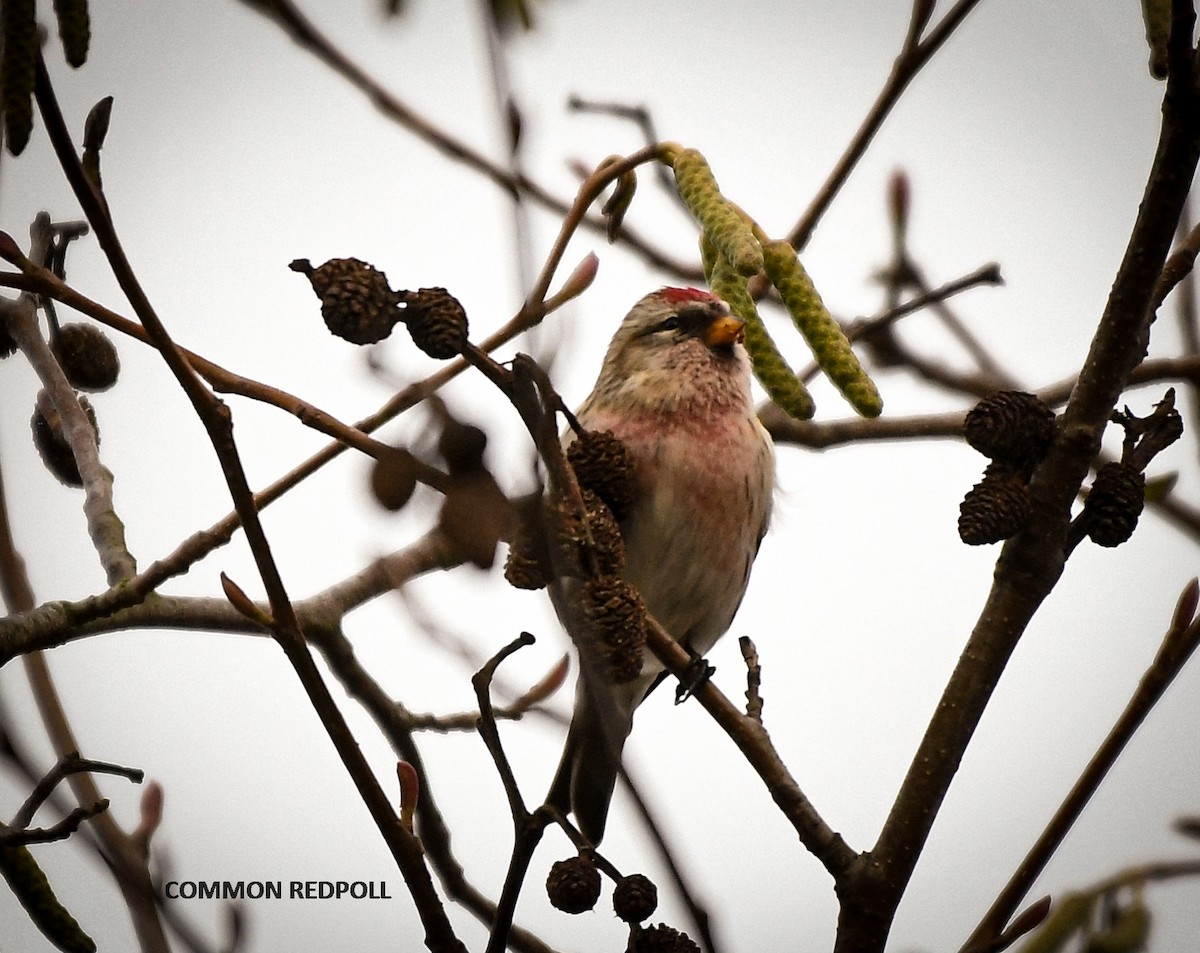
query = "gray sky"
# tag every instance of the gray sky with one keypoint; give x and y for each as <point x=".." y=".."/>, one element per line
<point x="231" y="152"/>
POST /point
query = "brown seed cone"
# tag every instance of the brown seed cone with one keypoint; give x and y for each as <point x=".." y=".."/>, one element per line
<point x="1114" y="504"/>
<point x="357" y="303"/>
<point x="571" y="544"/>
<point x="526" y="566"/>
<point x="52" y="444"/>
<point x="474" y="517"/>
<point x="607" y="546"/>
<point x="661" y="939"/>
<point x="393" y="479"/>
<point x="995" y="508"/>
<point x="436" y="321"/>
<point x="604" y="464"/>
<point x="87" y="356"/>
<point x="635" y="898"/>
<point x="614" y="629"/>
<point x="462" y="446"/>
<point x="573" y="885"/>
<point x="522" y="568"/>
<point x="1011" y="427"/>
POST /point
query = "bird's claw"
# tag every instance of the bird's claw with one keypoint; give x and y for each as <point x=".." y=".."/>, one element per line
<point x="695" y="675"/>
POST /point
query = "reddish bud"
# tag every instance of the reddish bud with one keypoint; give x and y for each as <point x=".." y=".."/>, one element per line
<point x="410" y="790"/>
<point x="151" y="816"/>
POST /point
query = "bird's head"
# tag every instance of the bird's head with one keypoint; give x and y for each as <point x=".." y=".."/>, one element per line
<point x="674" y="346"/>
<point x="671" y="317"/>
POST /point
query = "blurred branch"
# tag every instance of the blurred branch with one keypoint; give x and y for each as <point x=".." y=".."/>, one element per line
<point x="128" y="865"/>
<point x="641" y="117"/>
<point x="306" y="35"/>
<point x="820" y="435"/>
<point x="104" y="525"/>
<point x="508" y="115"/>
<point x="58" y="623"/>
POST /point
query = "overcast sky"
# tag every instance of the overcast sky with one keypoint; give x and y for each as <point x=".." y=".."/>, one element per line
<point x="232" y="152"/>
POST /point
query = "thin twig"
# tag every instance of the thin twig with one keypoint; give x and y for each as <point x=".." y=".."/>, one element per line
<point x="527" y="828"/>
<point x="1177" y="646"/>
<point x="482" y="683"/>
<point x="67" y="765"/>
<point x="60" y="830"/>
<point x="914" y="54"/>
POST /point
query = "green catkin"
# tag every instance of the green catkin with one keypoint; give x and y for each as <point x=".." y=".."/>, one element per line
<point x="770" y="367"/>
<point x="829" y="345"/>
<point x="20" y="68"/>
<point x="74" y="29"/>
<point x="719" y="218"/>
<point x="36" y="895"/>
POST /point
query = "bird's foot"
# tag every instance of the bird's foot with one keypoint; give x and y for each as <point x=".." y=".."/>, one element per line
<point x="697" y="673"/>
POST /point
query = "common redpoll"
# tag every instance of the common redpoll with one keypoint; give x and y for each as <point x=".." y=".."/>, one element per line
<point x="675" y="388"/>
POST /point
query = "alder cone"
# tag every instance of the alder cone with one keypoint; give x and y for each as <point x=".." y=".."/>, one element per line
<point x="615" y="628"/>
<point x="1114" y="504"/>
<point x="437" y="322"/>
<point x="357" y="304"/>
<point x="635" y="898"/>
<point x="573" y="885"/>
<point x="603" y="464"/>
<point x="662" y="939"/>
<point x="52" y="443"/>
<point x="995" y="508"/>
<point x="1011" y="427"/>
<point x="87" y="356"/>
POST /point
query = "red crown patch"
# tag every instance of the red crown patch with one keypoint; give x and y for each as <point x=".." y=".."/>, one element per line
<point x="679" y="295"/>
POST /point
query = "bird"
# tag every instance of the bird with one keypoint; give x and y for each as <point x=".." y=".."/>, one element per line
<point x="674" y="387"/>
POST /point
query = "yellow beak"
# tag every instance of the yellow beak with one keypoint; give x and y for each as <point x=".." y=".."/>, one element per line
<point x="724" y="331"/>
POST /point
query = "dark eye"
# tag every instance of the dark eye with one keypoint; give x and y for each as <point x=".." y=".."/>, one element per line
<point x="669" y="324"/>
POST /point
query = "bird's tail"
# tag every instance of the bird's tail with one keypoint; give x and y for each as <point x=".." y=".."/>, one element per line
<point x="591" y="759"/>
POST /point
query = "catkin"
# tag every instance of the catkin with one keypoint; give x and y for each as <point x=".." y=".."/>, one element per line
<point x="20" y="69"/>
<point x="823" y="334"/>
<point x="770" y="367"/>
<point x="36" y="895"/>
<point x="719" y="218"/>
<point x="74" y="29"/>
